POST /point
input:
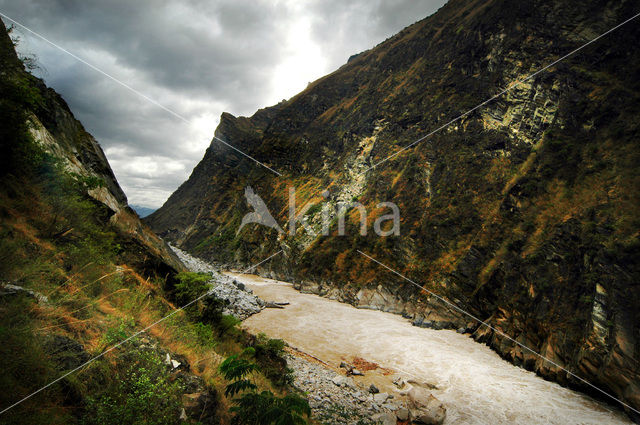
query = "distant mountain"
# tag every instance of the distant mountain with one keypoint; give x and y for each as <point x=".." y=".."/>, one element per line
<point x="142" y="211"/>
<point x="524" y="212"/>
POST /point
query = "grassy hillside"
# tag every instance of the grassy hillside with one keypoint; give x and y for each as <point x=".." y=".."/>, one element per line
<point x="79" y="274"/>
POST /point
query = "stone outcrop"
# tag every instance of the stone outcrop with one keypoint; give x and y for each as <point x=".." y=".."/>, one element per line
<point x="8" y="289"/>
<point x="82" y="155"/>
<point x="52" y="125"/>
<point x="424" y="408"/>
<point x="522" y="212"/>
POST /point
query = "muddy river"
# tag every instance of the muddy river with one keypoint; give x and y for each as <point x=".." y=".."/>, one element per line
<point x="474" y="383"/>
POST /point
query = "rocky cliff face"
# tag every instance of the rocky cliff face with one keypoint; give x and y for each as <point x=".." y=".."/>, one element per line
<point x="523" y="212"/>
<point x="52" y="125"/>
<point x="55" y="128"/>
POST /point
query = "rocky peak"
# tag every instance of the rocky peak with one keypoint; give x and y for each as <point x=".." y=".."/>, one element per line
<point x="520" y="212"/>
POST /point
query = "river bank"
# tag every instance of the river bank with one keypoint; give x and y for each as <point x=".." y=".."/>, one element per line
<point x="474" y="383"/>
<point x="392" y="357"/>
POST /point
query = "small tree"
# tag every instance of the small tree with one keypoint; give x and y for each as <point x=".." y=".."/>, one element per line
<point x="264" y="408"/>
<point x="192" y="286"/>
<point x="238" y="370"/>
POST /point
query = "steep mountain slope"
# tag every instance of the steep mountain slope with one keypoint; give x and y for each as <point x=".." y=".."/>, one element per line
<point x="85" y="289"/>
<point x="523" y="212"/>
<point x="53" y="127"/>
<point x="76" y="267"/>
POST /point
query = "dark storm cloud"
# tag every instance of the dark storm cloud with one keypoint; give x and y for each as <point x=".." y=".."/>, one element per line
<point x="193" y="47"/>
<point x="360" y="25"/>
<point x="198" y="58"/>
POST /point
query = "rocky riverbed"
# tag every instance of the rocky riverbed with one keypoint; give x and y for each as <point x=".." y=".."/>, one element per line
<point x="393" y="372"/>
<point x="239" y="300"/>
<point x="347" y="396"/>
<point x="334" y="397"/>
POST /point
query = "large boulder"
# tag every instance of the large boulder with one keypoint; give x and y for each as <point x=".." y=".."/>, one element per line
<point x="402" y="414"/>
<point x="65" y="353"/>
<point x="342" y="381"/>
<point x="380" y="398"/>
<point x="385" y="418"/>
<point x="424" y="408"/>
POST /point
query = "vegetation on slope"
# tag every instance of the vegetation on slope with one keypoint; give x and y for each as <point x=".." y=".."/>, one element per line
<point x="73" y="285"/>
<point x="524" y="212"/>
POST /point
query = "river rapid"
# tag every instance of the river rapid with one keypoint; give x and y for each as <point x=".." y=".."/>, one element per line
<point x="474" y="383"/>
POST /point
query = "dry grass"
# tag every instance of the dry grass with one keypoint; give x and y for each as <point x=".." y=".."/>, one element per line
<point x="88" y="300"/>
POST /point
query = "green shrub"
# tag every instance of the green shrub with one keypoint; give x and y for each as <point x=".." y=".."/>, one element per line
<point x="227" y="323"/>
<point x="114" y="335"/>
<point x="204" y="333"/>
<point x="88" y="182"/>
<point x="142" y="393"/>
<point x="271" y="347"/>
<point x="269" y="355"/>
<point x="264" y="408"/>
<point x="190" y="286"/>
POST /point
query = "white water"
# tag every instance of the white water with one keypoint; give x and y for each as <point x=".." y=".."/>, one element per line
<point x="475" y="384"/>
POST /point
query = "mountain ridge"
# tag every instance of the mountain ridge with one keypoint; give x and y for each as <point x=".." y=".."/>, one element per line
<point x="93" y="321"/>
<point x="524" y="212"/>
<point x="53" y="127"/>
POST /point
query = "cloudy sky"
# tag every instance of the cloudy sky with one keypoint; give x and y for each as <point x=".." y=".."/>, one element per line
<point x="197" y="58"/>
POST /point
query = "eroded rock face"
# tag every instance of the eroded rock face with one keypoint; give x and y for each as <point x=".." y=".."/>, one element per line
<point x="520" y="213"/>
<point x="65" y="353"/>
<point x="52" y="125"/>
<point x="424" y="408"/>
<point x="8" y="289"/>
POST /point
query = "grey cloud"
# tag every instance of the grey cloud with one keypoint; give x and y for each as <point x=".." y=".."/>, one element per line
<point x="199" y="58"/>
<point x="157" y="39"/>
<point x="360" y="25"/>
